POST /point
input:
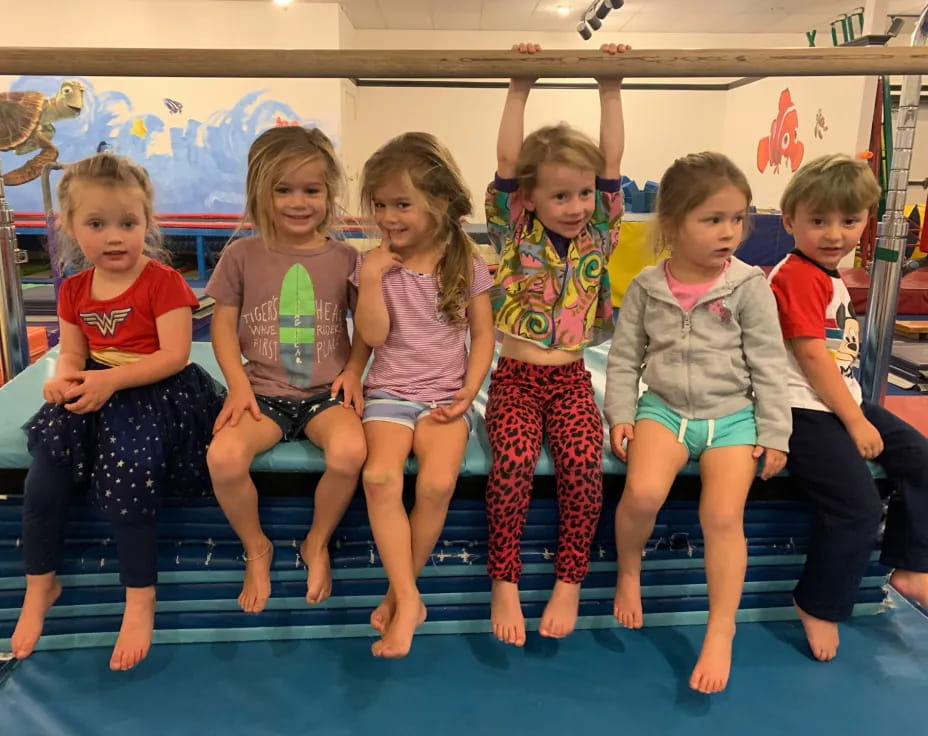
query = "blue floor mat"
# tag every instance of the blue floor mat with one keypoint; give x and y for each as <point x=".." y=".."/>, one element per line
<point x="594" y="682"/>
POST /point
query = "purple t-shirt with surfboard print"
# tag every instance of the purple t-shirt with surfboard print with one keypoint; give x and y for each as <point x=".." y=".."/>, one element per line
<point x="293" y="305"/>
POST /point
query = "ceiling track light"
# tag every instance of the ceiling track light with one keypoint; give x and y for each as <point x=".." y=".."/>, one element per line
<point x="606" y="5"/>
<point x="594" y="16"/>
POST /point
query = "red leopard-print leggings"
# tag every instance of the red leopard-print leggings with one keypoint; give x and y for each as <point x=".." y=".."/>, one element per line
<point x="526" y="403"/>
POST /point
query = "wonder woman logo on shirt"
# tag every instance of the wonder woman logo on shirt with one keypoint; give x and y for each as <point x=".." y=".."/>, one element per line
<point x="106" y="322"/>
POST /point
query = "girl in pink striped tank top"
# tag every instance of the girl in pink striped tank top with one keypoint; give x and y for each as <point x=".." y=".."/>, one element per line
<point x="419" y="295"/>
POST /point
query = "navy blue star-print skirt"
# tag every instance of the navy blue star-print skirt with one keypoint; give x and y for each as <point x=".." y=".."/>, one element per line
<point x="144" y="444"/>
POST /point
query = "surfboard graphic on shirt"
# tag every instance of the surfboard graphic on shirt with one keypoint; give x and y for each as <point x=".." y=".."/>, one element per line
<point x="296" y="323"/>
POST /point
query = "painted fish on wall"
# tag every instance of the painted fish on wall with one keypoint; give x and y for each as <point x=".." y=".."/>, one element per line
<point x="783" y="141"/>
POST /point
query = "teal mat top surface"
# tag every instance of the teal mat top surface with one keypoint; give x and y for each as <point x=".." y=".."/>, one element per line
<point x="22" y="397"/>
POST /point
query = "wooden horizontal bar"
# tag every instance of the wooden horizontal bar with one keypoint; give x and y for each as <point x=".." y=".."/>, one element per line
<point x="421" y="64"/>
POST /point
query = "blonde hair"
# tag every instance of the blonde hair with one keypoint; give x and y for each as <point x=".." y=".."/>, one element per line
<point x="836" y="182"/>
<point x="556" y="144"/>
<point x="429" y="168"/>
<point x="108" y="170"/>
<point x="688" y="182"/>
<point x="271" y="156"/>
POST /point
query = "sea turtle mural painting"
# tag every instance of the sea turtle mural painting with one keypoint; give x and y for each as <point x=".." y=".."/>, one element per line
<point x="26" y="125"/>
<point x="191" y="135"/>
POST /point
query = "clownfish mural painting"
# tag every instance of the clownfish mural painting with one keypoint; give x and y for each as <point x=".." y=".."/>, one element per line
<point x="783" y="141"/>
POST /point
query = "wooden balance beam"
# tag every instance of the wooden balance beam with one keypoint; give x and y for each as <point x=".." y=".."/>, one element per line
<point x="422" y="64"/>
<point x="912" y="329"/>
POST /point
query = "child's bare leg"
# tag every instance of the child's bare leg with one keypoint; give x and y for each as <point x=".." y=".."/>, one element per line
<point x="654" y="459"/>
<point x="41" y="593"/>
<point x="822" y="635"/>
<point x="229" y="458"/>
<point x="726" y="474"/>
<point x="439" y="450"/>
<point x="138" y="621"/>
<point x="912" y="585"/>
<point x="339" y="433"/>
<point x="388" y="447"/>
<point x="560" y="614"/>
<point x="506" y="613"/>
<point x="380" y="616"/>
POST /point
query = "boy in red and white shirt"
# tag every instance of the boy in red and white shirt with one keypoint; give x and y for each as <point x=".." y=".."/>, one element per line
<point x="826" y="206"/>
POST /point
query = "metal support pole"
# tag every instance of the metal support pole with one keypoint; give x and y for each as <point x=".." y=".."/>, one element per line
<point x="14" y="344"/>
<point x="892" y="230"/>
<point x="51" y="229"/>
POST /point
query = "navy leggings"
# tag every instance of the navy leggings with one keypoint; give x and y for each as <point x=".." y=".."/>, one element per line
<point x="47" y="495"/>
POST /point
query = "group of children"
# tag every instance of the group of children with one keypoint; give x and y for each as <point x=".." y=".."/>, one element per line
<point x="737" y="371"/>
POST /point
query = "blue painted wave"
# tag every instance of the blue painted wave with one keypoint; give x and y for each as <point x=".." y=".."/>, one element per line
<point x="205" y="171"/>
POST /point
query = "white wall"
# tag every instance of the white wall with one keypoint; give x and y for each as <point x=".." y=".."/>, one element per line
<point x="169" y="24"/>
<point x="207" y="177"/>
<point x="351" y="137"/>
<point x="660" y="125"/>
<point x="751" y="109"/>
<point x="396" y="39"/>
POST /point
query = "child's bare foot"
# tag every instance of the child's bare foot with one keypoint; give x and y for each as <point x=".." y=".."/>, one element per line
<point x="627" y="605"/>
<point x="822" y="635"/>
<point x="41" y="593"/>
<point x="319" y="571"/>
<point x="138" y="620"/>
<point x="256" y="588"/>
<point x="912" y="585"/>
<point x="383" y="614"/>
<point x="711" y="672"/>
<point x="397" y="639"/>
<point x="560" y="615"/>
<point x="506" y="613"/>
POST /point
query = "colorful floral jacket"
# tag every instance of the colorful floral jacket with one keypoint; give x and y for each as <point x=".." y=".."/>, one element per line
<point x="539" y="296"/>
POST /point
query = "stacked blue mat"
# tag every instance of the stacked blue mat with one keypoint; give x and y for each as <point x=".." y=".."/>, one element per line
<point x="201" y="568"/>
<point x="201" y="571"/>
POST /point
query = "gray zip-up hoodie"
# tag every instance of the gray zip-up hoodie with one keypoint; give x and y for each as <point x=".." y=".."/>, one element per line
<point x="718" y="358"/>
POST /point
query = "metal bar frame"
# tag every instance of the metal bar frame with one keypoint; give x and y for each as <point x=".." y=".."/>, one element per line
<point x="384" y="64"/>
<point x="892" y="230"/>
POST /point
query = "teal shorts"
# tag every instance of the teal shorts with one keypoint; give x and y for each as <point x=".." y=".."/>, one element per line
<point x="698" y="435"/>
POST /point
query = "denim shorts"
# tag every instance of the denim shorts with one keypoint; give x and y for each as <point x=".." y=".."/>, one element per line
<point x="380" y="406"/>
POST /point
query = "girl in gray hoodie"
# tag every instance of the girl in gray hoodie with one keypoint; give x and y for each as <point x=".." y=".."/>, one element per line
<point x="700" y="329"/>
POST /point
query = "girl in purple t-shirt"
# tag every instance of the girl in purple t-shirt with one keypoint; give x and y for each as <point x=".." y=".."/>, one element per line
<point x="281" y="303"/>
<point x="419" y="294"/>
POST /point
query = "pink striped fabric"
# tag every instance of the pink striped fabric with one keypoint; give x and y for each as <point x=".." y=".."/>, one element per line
<point x="423" y="358"/>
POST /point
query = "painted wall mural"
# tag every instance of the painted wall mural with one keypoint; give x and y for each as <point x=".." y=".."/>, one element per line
<point x="26" y="125"/>
<point x="783" y="140"/>
<point x="192" y="141"/>
<point x="820" y="126"/>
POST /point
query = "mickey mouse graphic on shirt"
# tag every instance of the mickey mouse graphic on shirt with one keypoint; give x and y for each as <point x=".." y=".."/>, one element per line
<point x="843" y="340"/>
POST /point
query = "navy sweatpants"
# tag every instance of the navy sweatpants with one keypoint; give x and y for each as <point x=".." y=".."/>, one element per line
<point x="836" y="481"/>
